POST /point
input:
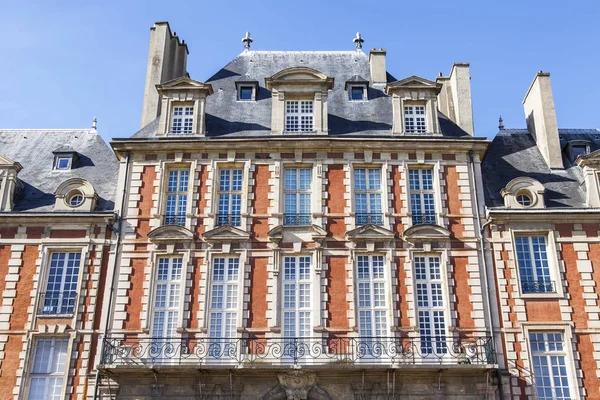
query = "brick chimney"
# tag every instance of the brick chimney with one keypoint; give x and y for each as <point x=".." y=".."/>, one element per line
<point x="167" y="60"/>
<point x="455" y="97"/>
<point x="377" y="64"/>
<point x="541" y="119"/>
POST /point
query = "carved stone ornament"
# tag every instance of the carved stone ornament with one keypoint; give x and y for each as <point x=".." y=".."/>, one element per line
<point x="297" y="385"/>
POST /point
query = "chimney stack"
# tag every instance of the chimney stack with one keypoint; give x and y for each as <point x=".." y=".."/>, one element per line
<point x="167" y="60"/>
<point x="541" y="119"/>
<point x="455" y="97"/>
<point x="377" y="64"/>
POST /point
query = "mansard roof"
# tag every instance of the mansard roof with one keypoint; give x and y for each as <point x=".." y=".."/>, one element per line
<point x="227" y="117"/>
<point x="33" y="149"/>
<point x="514" y="153"/>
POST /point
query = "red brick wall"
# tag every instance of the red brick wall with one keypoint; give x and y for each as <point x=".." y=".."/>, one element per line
<point x="337" y="305"/>
<point x="203" y="190"/>
<point x="335" y="201"/>
<point x="260" y="204"/>
<point x="135" y="294"/>
<point x="453" y="203"/>
<point x="464" y="307"/>
<point x="395" y="175"/>
<point x="258" y="293"/>
<point x="145" y="203"/>
<point x="194" y="302"/>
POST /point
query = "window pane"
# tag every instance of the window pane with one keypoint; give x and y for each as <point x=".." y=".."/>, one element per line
<point x="246" y="93"/>
<point x="357" y="93"/>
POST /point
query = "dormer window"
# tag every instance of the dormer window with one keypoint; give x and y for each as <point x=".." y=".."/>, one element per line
<point x="299" y="101"/>
<point x="414" y="105"/>
<point x="246" y="93"/>
<point x="183" y="105"/>
<point x="523" y="192"/>
<point x="357" y="93"/>
<point x="182" y="120"/>
<point x="578" y="150"/>
<point x="299" y="116"/>
<point x="62" y="162"/>
<point x="64" y="158"/>
<point x="414" y="119"/>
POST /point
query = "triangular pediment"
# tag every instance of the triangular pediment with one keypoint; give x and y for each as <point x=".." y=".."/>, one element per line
<point x="226" y="232"/>
<point x="170" y="233"/>
<point x="185" y="83"/>
<point x="426" y="232"/>
<point x="370" y="232"/>
<point x="317" y="233"/>
<point x="592" y="159"/>
<point x="414" y="83"/>
<point x="6" y="162"/>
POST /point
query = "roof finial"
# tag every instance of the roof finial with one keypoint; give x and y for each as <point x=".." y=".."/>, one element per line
<point x="358" y="40"/>
<point x="247" y="40"/>
<point x="94" y="123"/>
<point x="500" y="123"/>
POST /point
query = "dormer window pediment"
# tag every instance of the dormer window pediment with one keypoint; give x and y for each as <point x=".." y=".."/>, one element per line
<point x="299" y="101"/>
<point x="414" y="102"/>
<point x="183" y="107"/>
<point x="75" y="194"/>
<point x="9" y="183"/>
<point x="523" y="192"/>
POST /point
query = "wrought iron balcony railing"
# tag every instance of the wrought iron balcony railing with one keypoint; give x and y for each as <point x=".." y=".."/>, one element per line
<point x="539" y="286"/>
<point x="423" y="218"/>
<point x="57" y="303"/>
<point x="175" y="220"/>
<point x="384" y="351"/>
<point x="369" y="218"/>
<point x="297" y="219"/>
<point x="229" y="219"/>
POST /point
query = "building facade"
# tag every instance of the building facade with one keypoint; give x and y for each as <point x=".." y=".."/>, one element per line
<point x="301" y="225"/>
<point x="542" y="196"/>
<point x="57" y="195"/>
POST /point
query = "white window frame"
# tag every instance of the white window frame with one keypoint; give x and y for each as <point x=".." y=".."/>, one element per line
<point x="377" y="302"/>
<point x="423" y="286"/>
<point x="229" y="216"/>
<point x="381" y="191"/>
<point x="182" y="119"/>
<point x="47" y="376"/>
<point x="59" y="158"/>
<point x="553" y="265"/>
<point x="231" y="294"/>
<point x="421" y="193"/>
<point x="296" y="109"/>
<point x="414" y="120"/>
<point x="43" y="307"/>
<point x="170" y="283"/>
<point x="364" y="92"/>
<point x="297" y="217"/>
<point x="296" y="282"/>
<point x="179" y="194"/>
<point x="568" y="351"/>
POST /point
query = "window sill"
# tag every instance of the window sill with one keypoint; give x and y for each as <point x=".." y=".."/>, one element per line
<point x="55" y="316"/>
<point x="546" y="296"/>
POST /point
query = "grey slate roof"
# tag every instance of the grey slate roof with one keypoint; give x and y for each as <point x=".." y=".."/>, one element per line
<point x="33" y="149"/>
<point x="514" y="153"/>
<point x="227" y="117"/>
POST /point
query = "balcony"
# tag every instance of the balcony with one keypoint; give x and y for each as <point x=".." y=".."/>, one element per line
<point x="369" y="218"/>
<point x="297" y="219"/>
<point x="423" y="218"/>
<point x="229" y="219"/>
<point x="539" y="286"/>
<point x="175" y="220"/>
<point x="57" y="303"/>
<point x="301" y="351"/>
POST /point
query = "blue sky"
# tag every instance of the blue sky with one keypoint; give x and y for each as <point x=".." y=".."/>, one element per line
<point x="64" y="62"/>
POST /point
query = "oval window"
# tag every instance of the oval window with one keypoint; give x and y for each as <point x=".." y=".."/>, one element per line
<point x="524" y="200"/>
<point x="75" y="199"/>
